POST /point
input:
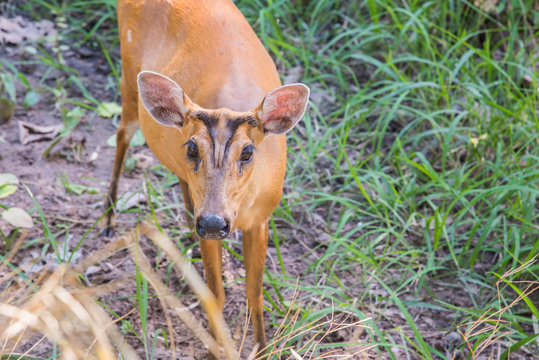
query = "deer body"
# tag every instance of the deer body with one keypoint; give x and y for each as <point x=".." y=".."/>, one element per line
<point x="207" y="96"/>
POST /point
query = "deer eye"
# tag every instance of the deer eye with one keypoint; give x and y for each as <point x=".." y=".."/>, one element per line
<point x="247" y="153"/>
<point x="192" y="150"/>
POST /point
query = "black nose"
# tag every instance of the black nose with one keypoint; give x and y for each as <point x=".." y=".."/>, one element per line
<point x="212" y="227"/>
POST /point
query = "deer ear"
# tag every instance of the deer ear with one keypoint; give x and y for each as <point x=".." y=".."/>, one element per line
<point x="163" y="98"/>
<point x="283" y="107"/>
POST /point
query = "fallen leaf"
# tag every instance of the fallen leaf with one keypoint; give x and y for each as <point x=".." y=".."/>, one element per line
<point x="30" y="99"/>
<point x="129" y="164"/>
<point x="80" y="189"/>
<point x="93" y="156"/>
<point x="8" y="83"/>
<point x="131" y="199"/>
<point x="7" y="190"/>
<point x="30" y="133"/>
<point x="108" y="109"/>
<point x="137" y="140"/>
<point x="18" y="217"/>
<point x="475" y="140"/>
<point x="92" y="269"/>
<point x="17" y="30"/>
<point x="486" y="5"/>
<point x="8" y="179"/>
<point x="111" y="141"/>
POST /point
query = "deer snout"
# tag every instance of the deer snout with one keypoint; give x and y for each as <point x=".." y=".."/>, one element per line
<point x="212" y="227"/>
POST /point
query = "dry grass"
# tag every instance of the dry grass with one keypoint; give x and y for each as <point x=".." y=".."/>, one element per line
<point x="57" y="306"/>
<point x="491" y="322"/>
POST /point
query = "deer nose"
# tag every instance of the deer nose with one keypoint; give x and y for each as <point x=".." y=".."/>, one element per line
<point x="212" y="227"/>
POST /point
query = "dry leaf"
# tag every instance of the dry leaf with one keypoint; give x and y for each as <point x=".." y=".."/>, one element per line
<point x="475" y="141"/>
<point x="486" y="5"/>
<point x="18" y="217"/>
<point x="29" y="132"/>
<point x="131" y="199"/>
<point x="17" y="30"/>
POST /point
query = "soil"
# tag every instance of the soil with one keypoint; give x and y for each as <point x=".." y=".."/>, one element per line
<point x="84" y="158"/>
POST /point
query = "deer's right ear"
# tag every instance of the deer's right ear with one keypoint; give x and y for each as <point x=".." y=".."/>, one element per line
<point x="163" y="98"/>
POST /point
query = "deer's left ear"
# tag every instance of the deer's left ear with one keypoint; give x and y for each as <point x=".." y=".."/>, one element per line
<point x="283" y="108"/>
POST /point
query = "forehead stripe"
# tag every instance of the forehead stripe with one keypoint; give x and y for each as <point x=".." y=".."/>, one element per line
<point x="208" y="120"/>
<point x="232" y="124"/>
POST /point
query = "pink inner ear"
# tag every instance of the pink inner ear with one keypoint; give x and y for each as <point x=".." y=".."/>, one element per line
<point x="286" y="104"/>
<point x="282" y="105"/>
<point x="283" y="108"/>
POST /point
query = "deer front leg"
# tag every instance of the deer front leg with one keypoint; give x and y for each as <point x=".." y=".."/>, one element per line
<point x="212" y="251"/>
<point x="255" y="241"/>
<point x="128" y="126"/>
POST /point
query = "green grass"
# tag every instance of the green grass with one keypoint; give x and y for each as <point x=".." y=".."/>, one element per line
<point x="415" y="170"/>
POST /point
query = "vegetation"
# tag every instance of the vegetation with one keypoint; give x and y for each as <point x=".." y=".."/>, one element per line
<point x="414" y="176"/>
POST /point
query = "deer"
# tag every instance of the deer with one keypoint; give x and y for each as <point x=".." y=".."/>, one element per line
<point x="209" y="101"/>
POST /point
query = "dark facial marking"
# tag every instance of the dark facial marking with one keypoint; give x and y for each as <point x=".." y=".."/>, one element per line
<point x="211" y="123"/>
<point x="234" y="124"/>
<point x="208" y="120"/>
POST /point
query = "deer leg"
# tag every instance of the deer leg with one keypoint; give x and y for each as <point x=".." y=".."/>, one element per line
<point x="128" y="126"/>
<point x="255" y="241"/>
<point x="188" y="203"/>
<point x="212" y="254"/>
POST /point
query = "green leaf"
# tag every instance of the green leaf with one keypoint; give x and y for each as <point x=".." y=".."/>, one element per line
<point x="76" y="189"/>
<point x="30" y="50"/>
<point x="18" y="217"/>
<point x="130" y="164"/>
<point x="7" y="108"/>
<point x="71" y="118"/>
<point x="8" y="179"/>
<point x="79" y="189"/>
<point x="9" y="85"/>
<point x="111" y="141"/>
<point x="137" y="140"/>
<point x="30" y="99"/>
<point x="108" y="109"/>
<point x="7" y="190"/>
